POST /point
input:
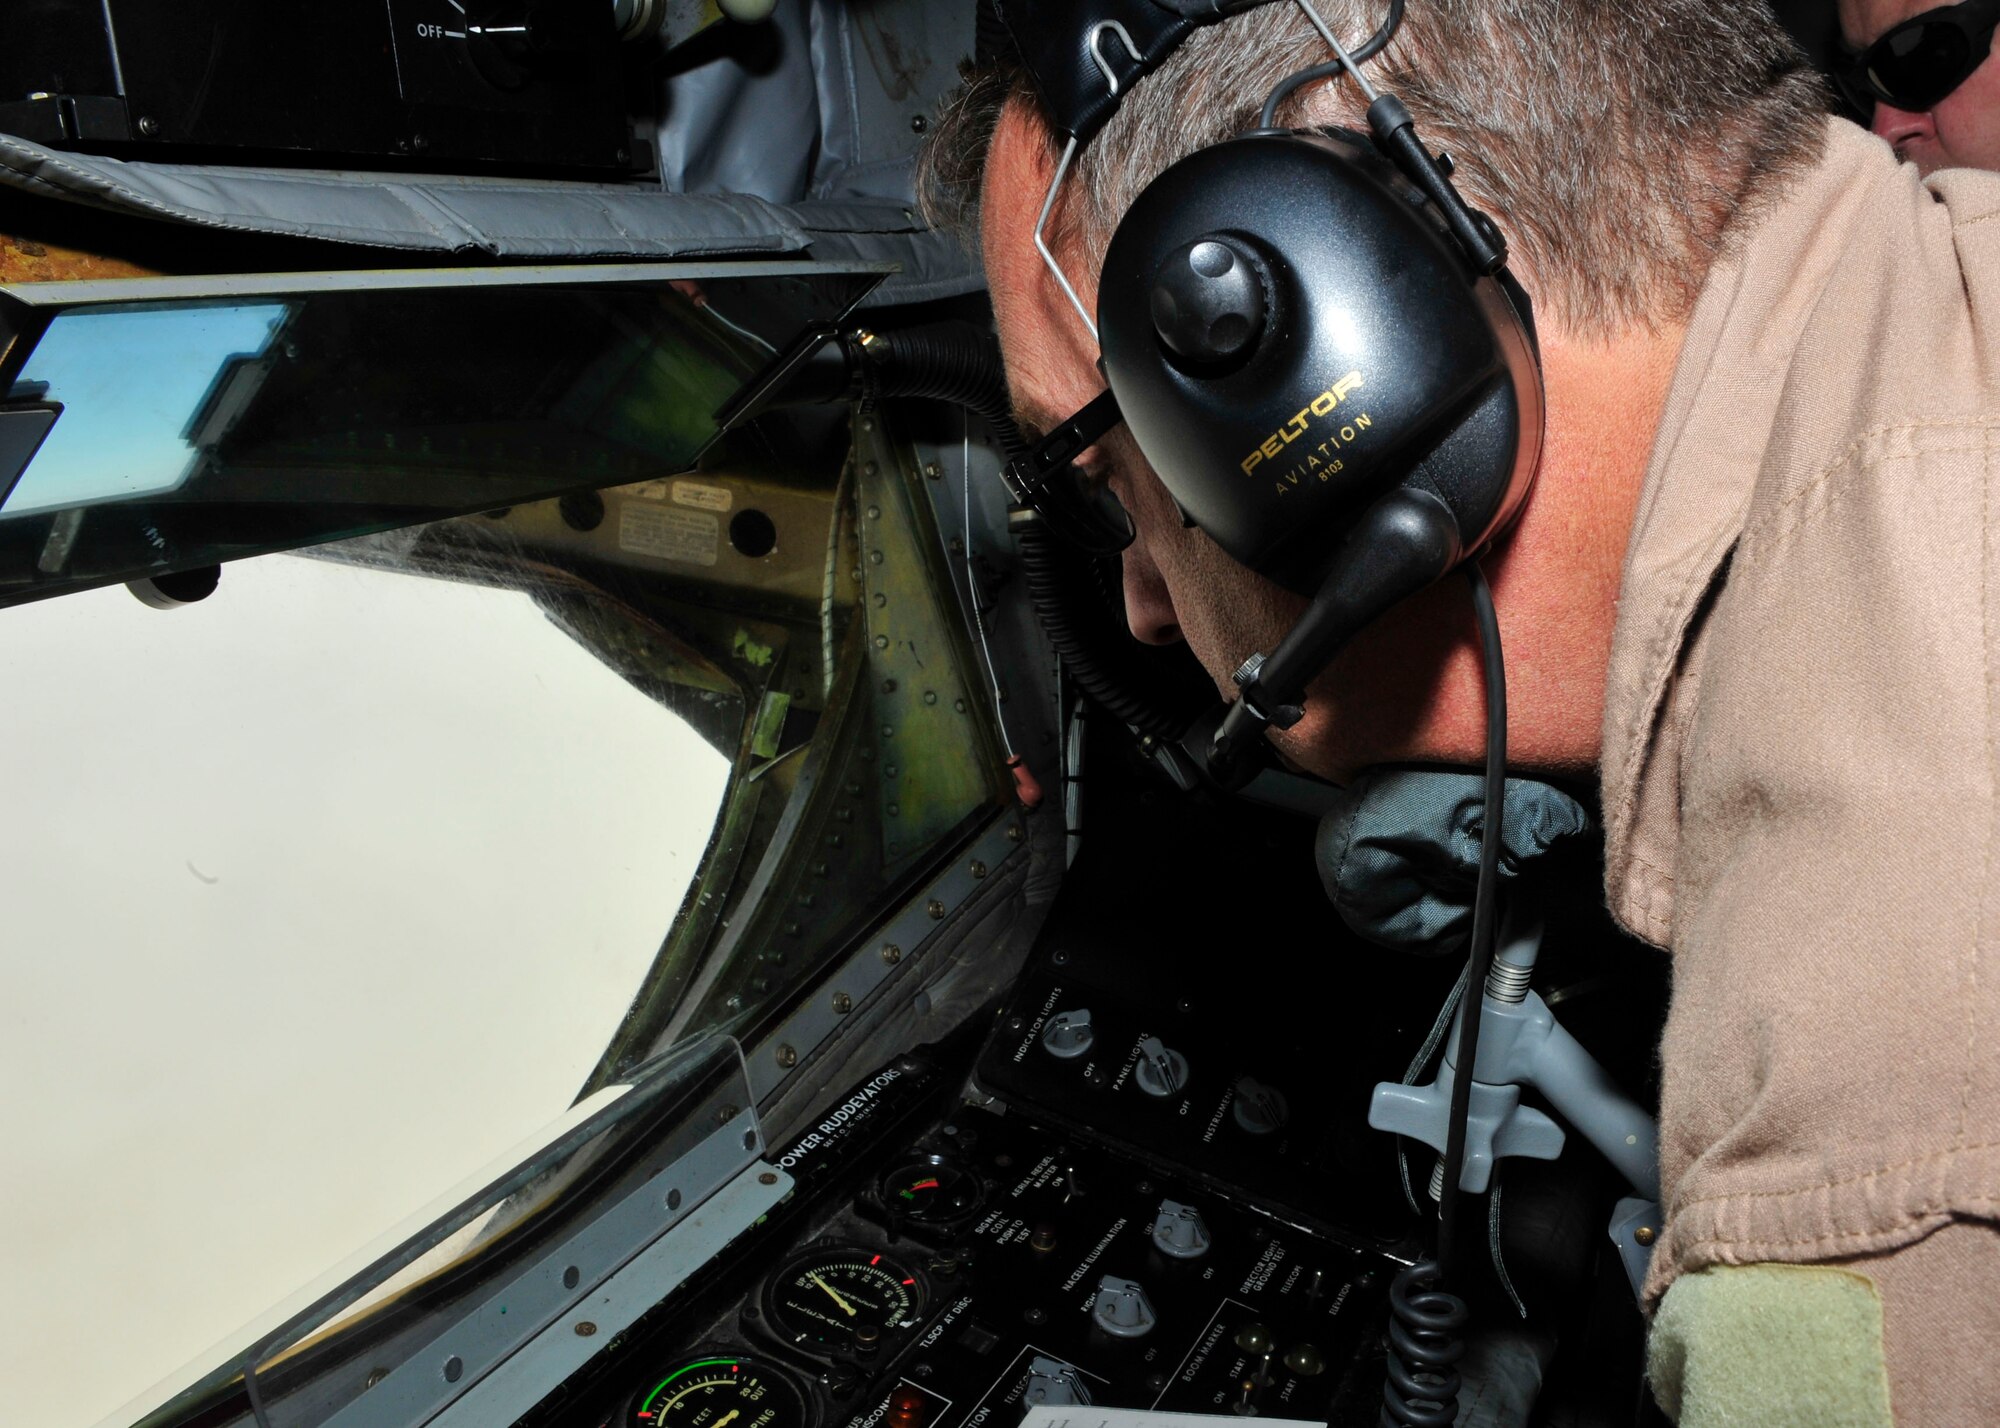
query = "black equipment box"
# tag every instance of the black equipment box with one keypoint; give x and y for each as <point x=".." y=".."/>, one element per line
<point x="524" y="85"/>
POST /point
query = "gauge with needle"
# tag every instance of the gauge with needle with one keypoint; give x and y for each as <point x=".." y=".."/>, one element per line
<point x="831" y="1293"/>
<point x="835" y="1300"/>
<point x="717" y="1390"/>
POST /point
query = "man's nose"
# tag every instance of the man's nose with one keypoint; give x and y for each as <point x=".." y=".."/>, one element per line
<point x="1899" y="126"/>
<point x="1148" y="610"/>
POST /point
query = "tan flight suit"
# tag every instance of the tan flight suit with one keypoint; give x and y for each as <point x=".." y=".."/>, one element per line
<point x="1801" y="751"/>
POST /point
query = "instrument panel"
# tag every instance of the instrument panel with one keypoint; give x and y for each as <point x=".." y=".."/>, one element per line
<point x="949" y="1266"/>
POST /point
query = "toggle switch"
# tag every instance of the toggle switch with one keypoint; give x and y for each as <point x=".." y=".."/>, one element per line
<point x="1068" y="1034"/>
<point x="1121" y="1308"/>
<point x="1161" y="1071"/>
<point x="1180" y="1231"/>
<point x="1258" y="1108"/>
<point x="1053" y="1383"/>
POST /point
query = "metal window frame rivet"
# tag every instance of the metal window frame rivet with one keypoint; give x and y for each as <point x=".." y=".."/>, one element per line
<point x="977" y="868"/>
<point x="936" y="909"/>
<point x="788" y="1056"/>
<point x="891" y="953"/>
<point x="843" y="1003"/>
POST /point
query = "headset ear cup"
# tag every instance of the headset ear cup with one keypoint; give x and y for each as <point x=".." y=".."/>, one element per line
<point x="1374" y="342"/>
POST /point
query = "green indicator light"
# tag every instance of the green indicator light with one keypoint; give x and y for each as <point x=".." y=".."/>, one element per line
<point x="679" y="1373"/>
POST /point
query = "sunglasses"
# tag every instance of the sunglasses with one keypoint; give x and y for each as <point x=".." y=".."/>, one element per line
<point x="1078" y="509"/>
<point x="1922" y="60"/>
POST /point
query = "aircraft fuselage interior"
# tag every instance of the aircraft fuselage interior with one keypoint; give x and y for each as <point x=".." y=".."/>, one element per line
<point x="587" y="665"/>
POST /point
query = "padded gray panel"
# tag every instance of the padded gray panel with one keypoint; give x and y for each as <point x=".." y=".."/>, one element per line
<point x="798" y="143"/>
<point x="505" y="218"/>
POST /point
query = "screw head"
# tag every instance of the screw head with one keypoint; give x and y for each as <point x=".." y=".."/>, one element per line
<point x="843" y="1003"/>
<point x="891" y="953"/>
<point x="936" y="909"/>
<point x="978" y="869"/>
<point x="918" y="124"/>
<point x="585" y="1329"/>
<point x="788" y="1057"/>
<point x="149" y="127"/>
<point x="1645" y="1234"/>
<point x="769" y="1177"/>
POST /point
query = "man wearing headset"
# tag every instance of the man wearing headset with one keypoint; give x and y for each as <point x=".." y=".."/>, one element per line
<point x="1926" y="77"/>
<point x="1756" y="588"/>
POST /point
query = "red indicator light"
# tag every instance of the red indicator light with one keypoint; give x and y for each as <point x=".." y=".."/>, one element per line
<point x="875" y="1261"/>
<point x="906" y="1409"/>
<point x="909" y="1281"/>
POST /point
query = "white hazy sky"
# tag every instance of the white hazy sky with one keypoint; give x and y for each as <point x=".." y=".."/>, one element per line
<point x="319" y="895"/>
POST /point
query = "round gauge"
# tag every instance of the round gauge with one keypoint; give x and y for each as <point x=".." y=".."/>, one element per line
<point x="718" y="1391"/>
<point x="840" y="1299"/>
<point x="931" y="1191"/>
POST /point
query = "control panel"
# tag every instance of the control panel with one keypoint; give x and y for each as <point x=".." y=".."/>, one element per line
<point x="1152" y="1024"/>
<point x="957" y="1268"/>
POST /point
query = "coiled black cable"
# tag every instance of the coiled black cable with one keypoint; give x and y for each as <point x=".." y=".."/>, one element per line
<point x="1424" y="1349"/>
<point x="947" y="362"/>
<point x="1480" y="960"/>
<point x="956" y="362"/>
<point x="1421" y="1390"/>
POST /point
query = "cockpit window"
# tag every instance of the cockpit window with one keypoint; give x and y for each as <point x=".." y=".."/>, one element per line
<point x="329" y="887"/>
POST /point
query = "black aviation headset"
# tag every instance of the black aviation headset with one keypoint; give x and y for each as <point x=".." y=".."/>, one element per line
<point x="1313" y="339"/>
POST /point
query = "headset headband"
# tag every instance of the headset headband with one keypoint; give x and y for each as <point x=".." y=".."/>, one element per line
<point x="1081" y="59"/>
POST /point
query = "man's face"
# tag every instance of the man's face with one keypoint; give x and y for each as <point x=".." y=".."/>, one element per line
<point x="1962" y="130"/>
<point x="1178" y="583"/>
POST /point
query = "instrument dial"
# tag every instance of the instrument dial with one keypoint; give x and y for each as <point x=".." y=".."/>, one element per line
<point x="842" y="1300"/>
<point x="718" y="1391"/>
<point x="930" y="1191"/>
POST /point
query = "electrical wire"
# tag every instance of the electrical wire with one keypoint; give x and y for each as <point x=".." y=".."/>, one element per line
<point x="1483" y="920"/>
<point x="1419" y="1064"/>
<point x="1333" y="68"/>
<point x="972" y="587"/>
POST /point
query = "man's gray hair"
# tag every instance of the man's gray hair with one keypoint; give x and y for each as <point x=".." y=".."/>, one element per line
<point x="1619" y="144"/>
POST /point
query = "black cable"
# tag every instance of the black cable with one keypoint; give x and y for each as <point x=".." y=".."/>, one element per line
<point x="955" y="362"/>
<point x="1376" y="43"/>
<point x="1480" y="959"/>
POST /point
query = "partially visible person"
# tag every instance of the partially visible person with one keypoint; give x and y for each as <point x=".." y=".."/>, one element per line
<point x="1755" y="588"/>
<point x="1928" y="77"/>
